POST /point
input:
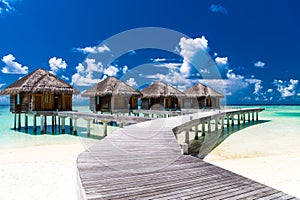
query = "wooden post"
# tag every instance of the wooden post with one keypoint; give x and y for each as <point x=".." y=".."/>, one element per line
<point x="187" y="136"/>
<point x="232" y="119"/>
<point x="45" y="123"/>
<point x="196" y="132"/>
<point x="248" y="116"/>
<point x="63" y="125"/>
<point x="222" y="123"/>
<point x="19" y="122"/>
<point x="256" y="115"/>
<point x="58" y="123"/>
<point x="26" y="121"/>
<point x="244" y="118"/>
<point x="227" y="117"/>
<point x="203" y="129"/>
<point x="252" y="115"/>
<point x="239" y="116"/>
<point x="209" y="126"/>
<point x="88" y="132"/>
<point x="71" y="125"/>
<point x="15" y="121"/>
<point x="75" y="126"/>
<point x="34" y="123"/>
<point x="216" y="124"/>
<point x="104" y="128"/>
<point x="41" y="124"/>
<point x="53" y="126"/>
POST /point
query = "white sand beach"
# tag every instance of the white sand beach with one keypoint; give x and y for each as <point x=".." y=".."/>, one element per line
<point x="268" y="153"/>
<point x="39" y="172"/>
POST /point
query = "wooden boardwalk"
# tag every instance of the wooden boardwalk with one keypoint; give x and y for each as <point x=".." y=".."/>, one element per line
<point x="144" y="161"/>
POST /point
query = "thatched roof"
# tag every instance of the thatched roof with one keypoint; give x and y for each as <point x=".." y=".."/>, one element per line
<point x="39" y="81"/>
<point x="111" y="86"/>
<point x="161" y="89"/>
<point x="200" y="90"/>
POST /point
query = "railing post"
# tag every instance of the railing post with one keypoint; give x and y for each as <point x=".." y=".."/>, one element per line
<point x="196" y="132"/>
<point x="187" y="136"/>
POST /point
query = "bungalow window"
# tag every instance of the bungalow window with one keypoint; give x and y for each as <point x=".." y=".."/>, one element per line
<point x="47" y="98"/>
<point x="18" y="99"/>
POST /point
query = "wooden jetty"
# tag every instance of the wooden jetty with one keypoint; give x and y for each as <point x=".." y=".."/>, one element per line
<point x="145" y="161"/>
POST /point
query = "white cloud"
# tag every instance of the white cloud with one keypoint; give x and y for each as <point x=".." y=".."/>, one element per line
<point x="6" y="7"/>
<point x="286" y="88"/>
<point x="131" y="82"/>
<point x="259" y="64"/>
<point x="2" y="84"/>
<point x="221" y="61"/>
<point x="270" y="90"/>
<point x="87" y="75"/>
<point x="191" y="50"/>
<point x="13" y="67"/>
<point x="168" y="65"/>
<point x="111" y="71"/>
<point x="159" y="59"/>
<point x="218" y="9"/>
<point x="257" y="84"/>
<point x="57" y="64"/>
<point x="65" y="77"/>
<point x="94" y="49"/>
<point x="125" y="69"/>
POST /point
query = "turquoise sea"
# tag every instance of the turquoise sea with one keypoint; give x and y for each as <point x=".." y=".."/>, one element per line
<point x="278" y="119"/>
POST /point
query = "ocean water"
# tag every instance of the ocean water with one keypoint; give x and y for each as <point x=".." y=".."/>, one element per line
<point x="10" y="138"/>
<point x="282" y="121"/>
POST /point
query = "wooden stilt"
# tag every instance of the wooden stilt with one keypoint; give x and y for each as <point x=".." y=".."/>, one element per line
<point x="239" y="119"/>
<point x="42" y="124"/>
<point x="26" y="122"/>
<point x="257" y="116"/>
<point x="34" y="123"/>
<point x="19" y="122"/>
<point x="75" y="126"/>
<point x="63" y="125"/>
<point x="45" y="123"/>
<point x="216" y="124"/>
<point x="248" y="116"/>
<point x="53" y="126"/>
<point x="15" y="121"/>
<point x="104" y="128"/>
<point x="71" y="124"/>
<point x="222" y="123"/>
<point x="232" y="119"/>
<point x="252" y="115"/>
<point x="187" y="136"/>
<point x="209" y="126"/>
<point x="196" y="132"/>
<point x="88" y="132"/>
<point x="244" y="118"/>
<point x="203" y="129"/>
<point x="58" y="124"/>
<point x="227" y="117"/>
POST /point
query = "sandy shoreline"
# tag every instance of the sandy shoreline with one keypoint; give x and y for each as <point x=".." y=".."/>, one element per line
<point x="39" y="172"/>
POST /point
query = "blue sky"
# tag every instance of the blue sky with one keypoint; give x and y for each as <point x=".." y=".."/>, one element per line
<point x="254" y="44"/>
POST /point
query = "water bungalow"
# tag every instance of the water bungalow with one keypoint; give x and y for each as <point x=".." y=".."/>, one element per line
<point x="201" y="96"/>
<point x="161" y="95"/>
<point x="112" y="95"/>
<point x="39" y="93"/>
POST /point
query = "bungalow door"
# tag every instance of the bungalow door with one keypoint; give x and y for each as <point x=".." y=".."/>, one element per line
<point x="38" y="102"/>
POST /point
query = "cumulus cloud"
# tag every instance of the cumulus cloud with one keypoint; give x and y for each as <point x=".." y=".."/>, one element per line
<point x="192" y="51"/>
<point x="57" y="64"/>
<point x="168" y="65"/>
<point x="259" y="64"/>
<point x="13" y="67"/>
<point x="131" y="82"/>
<point x="87" y="74"/>
<point x="218" y="9"/>
<point x="286" y="88"/>
<point x="125" y="69"/>
<point x="221" y="61"/>
<point x="111" y="71"/>
<point x="94" y="49"/>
